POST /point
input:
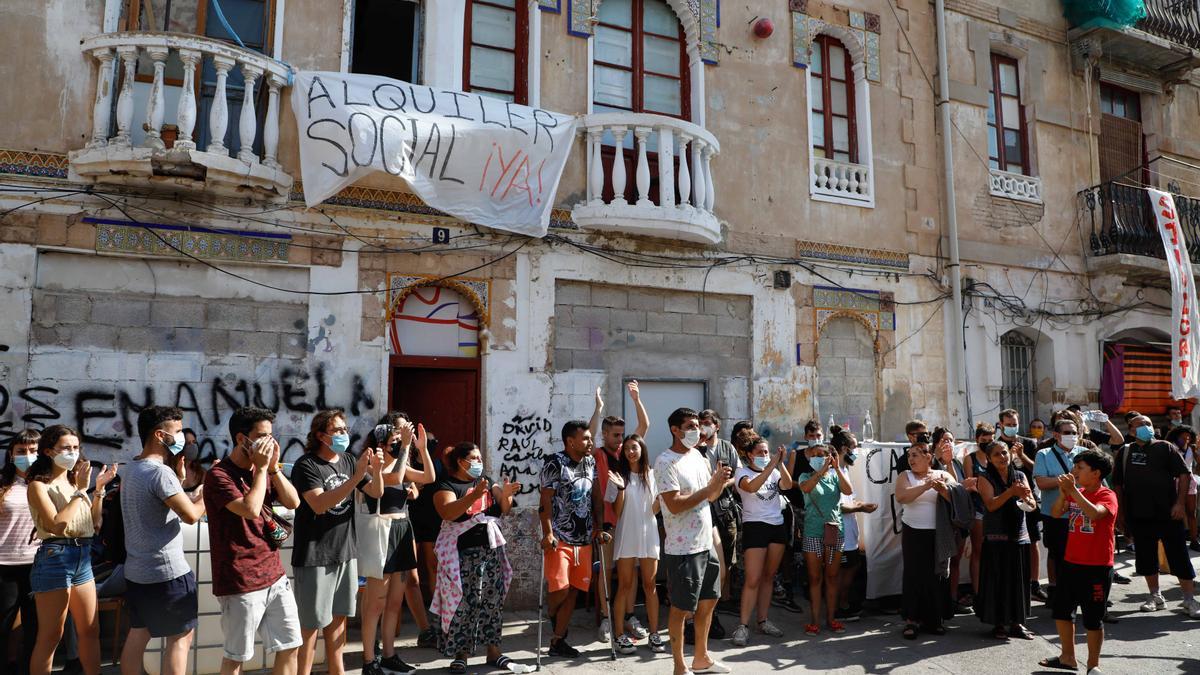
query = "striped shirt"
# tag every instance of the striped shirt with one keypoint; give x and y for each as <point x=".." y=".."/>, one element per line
<point x="16" y="524"/>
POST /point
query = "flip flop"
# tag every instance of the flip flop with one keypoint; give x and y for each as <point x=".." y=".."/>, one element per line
<point x="1020" y="632"/>
<point x="1056" y="662"/>
<point x="458" y="666"/>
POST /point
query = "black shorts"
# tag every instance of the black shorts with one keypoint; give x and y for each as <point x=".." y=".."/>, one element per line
<point x="166" y="609"/>
<point x="1085" y="587"/>
<point x="402" y="548"/>
<point x="1146" y="535"/>
<point x="853" y="557"/>
<point x="1033" y="521"/>
<point x="762" y="535"/>
<point x="1054" y="536"/>
<point x="692" y="578"/>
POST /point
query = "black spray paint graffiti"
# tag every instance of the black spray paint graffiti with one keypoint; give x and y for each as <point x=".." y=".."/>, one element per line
<point x="894" y="455"/>
<point x="522" y="447"/>
<point x="107" y="418"/>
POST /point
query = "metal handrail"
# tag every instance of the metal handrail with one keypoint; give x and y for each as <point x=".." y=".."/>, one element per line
<point x="1175" y="20"/>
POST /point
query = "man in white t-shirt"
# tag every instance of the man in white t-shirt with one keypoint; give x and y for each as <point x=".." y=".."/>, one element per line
<point x="687" y="485"/>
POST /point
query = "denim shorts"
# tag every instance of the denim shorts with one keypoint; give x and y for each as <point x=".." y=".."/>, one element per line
<point x="60" y="565"/>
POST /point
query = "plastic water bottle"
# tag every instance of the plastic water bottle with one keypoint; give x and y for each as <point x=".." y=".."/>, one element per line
<point x="832" y="423"/>
<point x="868" y="429"/>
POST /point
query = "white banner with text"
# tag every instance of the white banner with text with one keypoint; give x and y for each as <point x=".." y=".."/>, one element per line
<point x="1185" y="321"/>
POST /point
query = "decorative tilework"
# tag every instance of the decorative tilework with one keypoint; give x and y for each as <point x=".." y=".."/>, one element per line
<point x="477" y="291"/>
<point x="553" y="6"/>
<point x="798" y="6"/>
<point x="874" y="309"/>
<point x="857" y="20"/>
<point x="41" y="164"/>
<point x="890" y="260"/>
<point x="710" y="19"/>
<point x="873" y="57"/>
<point x="872" y="23"/>
<point x="199" y="242"/>
<point x="579" y="17"/>
<point x="864" y="46"/>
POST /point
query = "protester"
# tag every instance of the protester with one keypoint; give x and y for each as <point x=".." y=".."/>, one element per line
<point x="764" y="535"/>
<point x="924" y="592"/>
<point x="636" y="548"/>
<point x="975" y="466"/>
<point x="1091" y="512"/>
<point x="65" y="519"/>
<point x="426" y="524"/>
<point x="911" y="429"/>
<point x="1037" y="428"/>
<point x="1152" y="484"/>
<point x="610" y="431"/>
<point x="17" y="552"/>
<point x="1183" y="437"/>
<point x="245" y="536"/>
<point x="853" y="568"/>
<point x="194" y="468"/>
<point x="473" y="569"/>
<point x="823" y="537"/>
<point x="1023" y="453"/>
<point x="571" y="513"/>
<point x="725" y="510"/>
<point x="1174" y="419"/>
<point x="687" y="484"/>
<point x="1003" y="599"/>
<point x="324" y="554"/>
<point x="387" y="551"/>
<point x="943" y="443"/>
<point x="160" y="587"/>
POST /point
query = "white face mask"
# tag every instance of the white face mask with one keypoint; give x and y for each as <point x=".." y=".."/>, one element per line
<point x="691" y="438"/>
<point x="1068" y="441"/>
<point x="66" y="460"/>
<point x="707" y="430"/>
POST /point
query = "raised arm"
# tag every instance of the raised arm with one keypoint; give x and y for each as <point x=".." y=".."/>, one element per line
<point x="597" y="415"/>
<point x="643" y="419"/>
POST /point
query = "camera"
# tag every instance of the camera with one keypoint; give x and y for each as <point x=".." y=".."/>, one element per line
<point x="382" y="433"/>
<point x="923" y="437"/>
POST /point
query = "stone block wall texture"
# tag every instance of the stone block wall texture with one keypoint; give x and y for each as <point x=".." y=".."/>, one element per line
<point x="846" y="373"/>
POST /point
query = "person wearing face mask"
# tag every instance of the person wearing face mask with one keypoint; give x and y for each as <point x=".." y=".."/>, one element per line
<point x="1184" y="437"/>
<point x="1037" y="429"/>
<point x="160" y="590"/>
<point x="1051" y="463"/>
<point x="323" y="556"/>
<point x="473" y="569"/>
<point x="65" y="518"/>
<point x="924" y="592"/>
<point x="636" y="547"/>
<point x="853" y="568"/>
<point x="687" y="484"/>
<point x="1151" y="481"/>
<point x="17" y="551"/>
<point x="1174" y="419"/>
<point x="1003" y="599"/>
<point x="943" y="443"/>
<point x="764" y="534"/>
<point x="194" y="468"/>
<point x="823" y="539"/>
<point x="975" y="467"/>
<point x="1023" y="453"/>
<point x="726" y="512"/>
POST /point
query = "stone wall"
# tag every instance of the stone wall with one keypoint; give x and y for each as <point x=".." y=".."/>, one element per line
<point x="846" y="373"/>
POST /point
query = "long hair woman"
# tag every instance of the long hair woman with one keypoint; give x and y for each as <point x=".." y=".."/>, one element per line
<point x="923" y="595"/>
<point x="17" y="549"/>
<point x="636" y="547"/>
<point x="942" y="443"/>
<point x="65" y="518"/>
<point x="759" y="482"/>
<point x="473" y="570"/>
<point x="824" y="538"/>
<point x="1003" y="598"/>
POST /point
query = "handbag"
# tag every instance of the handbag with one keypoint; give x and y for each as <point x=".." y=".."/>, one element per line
<point x="276" y="530"/>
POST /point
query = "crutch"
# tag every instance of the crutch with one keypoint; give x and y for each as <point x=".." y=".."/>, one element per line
<point x="612" y="633"/>
<point x="541" y="621"/>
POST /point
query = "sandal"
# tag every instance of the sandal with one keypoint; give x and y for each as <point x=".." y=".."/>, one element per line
<point x="1020" y="632"/>
<point x="999" y="633"/>
<point x="910" y="632"/>
<point x="458" y="666"/>
<point x="1056" y="662"/>
<point x="502" y="662"/>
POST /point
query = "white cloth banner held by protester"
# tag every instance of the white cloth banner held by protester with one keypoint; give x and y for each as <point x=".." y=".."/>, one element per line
<point x="1185" y="321"/>
<point x="478" y="158"/>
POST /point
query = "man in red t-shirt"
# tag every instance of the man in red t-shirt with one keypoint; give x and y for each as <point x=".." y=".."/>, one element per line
<point x="611" y="432"/>
<point x="248" y="577"/>
<point x="1084" y="582"/>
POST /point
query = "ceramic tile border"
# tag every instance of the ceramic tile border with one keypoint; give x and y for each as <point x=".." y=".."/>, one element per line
<point x="199" y="242"/>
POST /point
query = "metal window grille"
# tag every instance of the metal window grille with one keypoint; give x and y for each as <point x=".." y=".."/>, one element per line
<point x="1017" y="364"/>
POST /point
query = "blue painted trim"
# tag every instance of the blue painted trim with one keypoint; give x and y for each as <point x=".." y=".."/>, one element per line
<point x="571" y="22"/>
<point x="556" y="9"/>
<point x="188" y="228"/>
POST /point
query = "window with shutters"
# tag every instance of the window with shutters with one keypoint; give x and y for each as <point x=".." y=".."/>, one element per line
<point x="1122" y="146"/>
<point x="495" y="46"/>
<point x="1008" y="142"/>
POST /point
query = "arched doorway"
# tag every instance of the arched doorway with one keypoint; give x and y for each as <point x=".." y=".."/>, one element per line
<point x="846" y="372"/>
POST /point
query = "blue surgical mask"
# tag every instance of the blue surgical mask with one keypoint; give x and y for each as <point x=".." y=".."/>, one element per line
<point x="852" y="457"/>
<point x="817" y="463"/>
<point x="23" y="462"/>
<point x="340" y="443"/>
<point x="176" y="445"/>
<point x="1144" y="434"/>
<point x="760" y="462"/>
<point x="475" y="470"/>
<point x="1010" y="432"/>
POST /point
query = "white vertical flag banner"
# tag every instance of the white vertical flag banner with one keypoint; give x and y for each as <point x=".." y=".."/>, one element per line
<point x="477" y="158"/>
<point x="1185" y="321"/>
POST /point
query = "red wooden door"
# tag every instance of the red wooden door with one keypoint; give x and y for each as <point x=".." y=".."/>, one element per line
<point x="441" y="393"/>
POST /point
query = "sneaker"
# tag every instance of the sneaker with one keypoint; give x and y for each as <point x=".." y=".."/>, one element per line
<point x="656" y="643"/>
<point x="1038" y="594"/>
<point x="1192" y="607"/>
<point x="625" y="644"/>
<point x="716" y="631"/>
<point x="837" y="626"/>
<point x="779" y="591"/>
<point x="1119" y="578"/>
<point x="428" y="639"/>
<point x="635" y="628"/>
<point x="768" y="628"/>
<point x="393" y="664"/>
<point x="560" y="647"/>
<point x="1154" y="603"/>
<point x="1094" y="671"/>
<point x="790" y="605"/>
<point x="741" y="635"/>
<point x="372" y="668"/>
<point x="604" y="633"/>
<point x="848" y="614"/>
<point x="714" y="667"/>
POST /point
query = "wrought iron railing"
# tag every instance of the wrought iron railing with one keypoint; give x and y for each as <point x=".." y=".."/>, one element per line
<point x="1123" y="221"/>
<point x="1174" y="20"/>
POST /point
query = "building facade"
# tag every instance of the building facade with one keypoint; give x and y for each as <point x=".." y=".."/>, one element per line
<point x="753" y="224"/>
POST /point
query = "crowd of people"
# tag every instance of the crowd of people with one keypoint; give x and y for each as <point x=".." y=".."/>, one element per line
<point x="733" y="523"/>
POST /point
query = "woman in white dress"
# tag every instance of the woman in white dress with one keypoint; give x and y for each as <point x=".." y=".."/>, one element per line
<point x="636" y="546"/>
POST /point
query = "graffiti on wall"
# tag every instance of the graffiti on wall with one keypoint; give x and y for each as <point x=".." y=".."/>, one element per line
<point x="524" y="441"/>
<point x="106" y="417"/>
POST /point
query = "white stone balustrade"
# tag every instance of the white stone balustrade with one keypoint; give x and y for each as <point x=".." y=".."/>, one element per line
<point x="684" y="205"/>
<point x="112" y="156"/>
<point x="842" y="180"/>
<point x="1015" y="186"/>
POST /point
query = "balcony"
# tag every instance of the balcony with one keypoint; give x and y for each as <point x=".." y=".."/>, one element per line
<point x="238" y="162"/>
<point x="1165" y="43"/>
<point x="1015" y="186"/>
<point x="671" y="193"/>
<point x="1124" y="233"/>
<point x="841" y="182"/>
